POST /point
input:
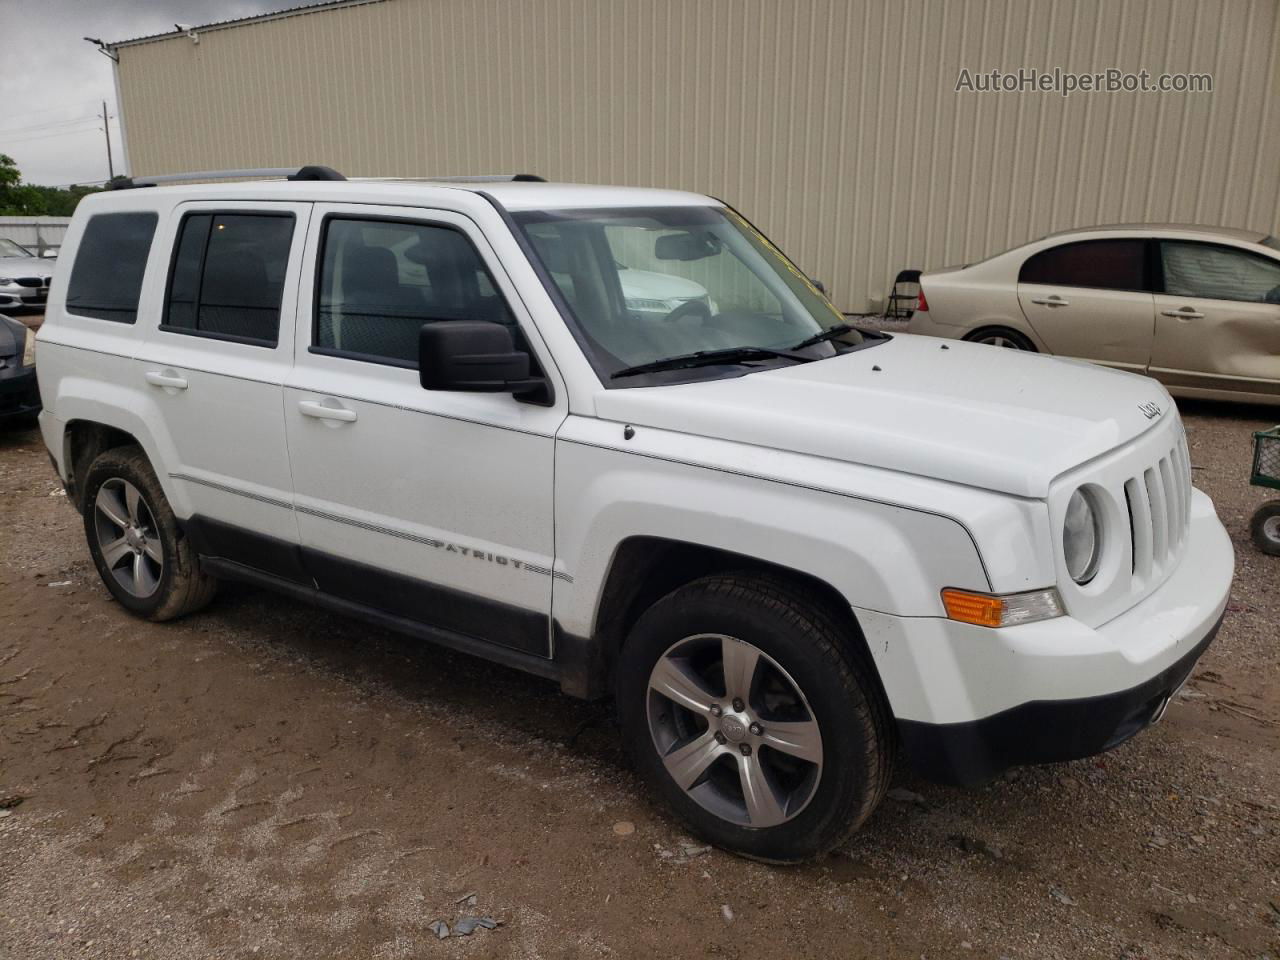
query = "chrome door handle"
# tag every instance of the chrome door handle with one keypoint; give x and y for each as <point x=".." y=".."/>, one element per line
<point x="1183" y="313"/>
<point x="326" y="411"/>
<point x="1053" y="301"/>
<point x="167" y="379"/>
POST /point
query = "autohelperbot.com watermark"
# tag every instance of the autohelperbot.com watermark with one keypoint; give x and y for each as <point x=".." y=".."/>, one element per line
<point x="1066" y="82"/>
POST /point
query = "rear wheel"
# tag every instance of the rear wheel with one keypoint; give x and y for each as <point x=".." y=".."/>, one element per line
<point x="1002" y="337"/>
<point x="744" y="707"/>
<point x="141" y="554"/>
<point x="1265" y="528"/>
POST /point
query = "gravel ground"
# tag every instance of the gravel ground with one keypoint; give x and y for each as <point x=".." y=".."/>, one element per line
<point x="264" y="779"/>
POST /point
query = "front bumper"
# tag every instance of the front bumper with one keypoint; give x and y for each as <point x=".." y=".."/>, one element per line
<point x="971" y="702"/>
<point x="19" y="392"/>
<point x="24" y="296"/>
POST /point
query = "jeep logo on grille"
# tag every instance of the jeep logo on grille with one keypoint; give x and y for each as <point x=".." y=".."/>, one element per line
<point x="1150" y="410"/>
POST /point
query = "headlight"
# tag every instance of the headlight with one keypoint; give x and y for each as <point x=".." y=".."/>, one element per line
<point x="1081" y="538"/>
<point x="29" y="349"/>
<point x="7" y="282"/>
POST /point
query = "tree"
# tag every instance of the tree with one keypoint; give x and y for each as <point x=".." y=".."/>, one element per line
<point x="19" y="199"/>
<point x="9" y="175"/>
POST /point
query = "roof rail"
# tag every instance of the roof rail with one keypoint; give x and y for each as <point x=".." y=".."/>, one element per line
<point x="310" y="172"/>
<point x="491" y="178"/>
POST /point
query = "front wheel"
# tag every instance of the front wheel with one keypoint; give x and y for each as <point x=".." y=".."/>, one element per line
<point x="744" y="707"/>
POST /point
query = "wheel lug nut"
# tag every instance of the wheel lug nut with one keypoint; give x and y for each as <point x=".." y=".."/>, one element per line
<point x="745" y="748"/>
<point x="720" y="737"/>
<point x="738" y="704"/>
<point x="756" y="729"/>
<point x="716" y="710"/>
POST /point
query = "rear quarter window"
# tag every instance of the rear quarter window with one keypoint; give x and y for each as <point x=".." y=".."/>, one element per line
<point x="106" y="278"/>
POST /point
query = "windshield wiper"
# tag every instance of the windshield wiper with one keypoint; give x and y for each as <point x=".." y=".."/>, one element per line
<point x="839" y="330"/>
<point x="706" y="358"/>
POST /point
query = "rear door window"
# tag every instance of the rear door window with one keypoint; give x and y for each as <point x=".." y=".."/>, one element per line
<point x="227" y="279"/>
<point x="106" y="278"/>
<point x="1100" y="264"/>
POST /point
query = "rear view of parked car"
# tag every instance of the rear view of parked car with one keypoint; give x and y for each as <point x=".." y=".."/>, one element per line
<point x="1198" y="308"/>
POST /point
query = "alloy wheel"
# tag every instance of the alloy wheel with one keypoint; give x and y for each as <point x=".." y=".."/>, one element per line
<point x="997" y="340"/>
<point x="128" y="537"/>
<point x="734" y="730"/>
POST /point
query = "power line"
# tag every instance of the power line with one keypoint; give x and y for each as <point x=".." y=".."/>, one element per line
<point x="52" y="135"/>
<point x="51" y="123"/>
<point x="41" y="113"/>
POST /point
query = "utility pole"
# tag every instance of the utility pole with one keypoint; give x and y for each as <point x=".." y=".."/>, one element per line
<point x="106" y="130"/>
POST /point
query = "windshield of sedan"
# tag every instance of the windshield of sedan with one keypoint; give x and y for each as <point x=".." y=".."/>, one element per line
<point x="10" y="249"/>
<point x="648" y="284"/>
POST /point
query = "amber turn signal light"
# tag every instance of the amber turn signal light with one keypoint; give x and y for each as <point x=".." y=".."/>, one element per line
<point x="1001" y="610"/>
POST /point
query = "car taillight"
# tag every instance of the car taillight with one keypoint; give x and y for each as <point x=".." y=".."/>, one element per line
<point x="921" y="302"/>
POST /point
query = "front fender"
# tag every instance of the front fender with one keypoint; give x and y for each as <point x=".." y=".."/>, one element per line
<point x="876" y="554"/>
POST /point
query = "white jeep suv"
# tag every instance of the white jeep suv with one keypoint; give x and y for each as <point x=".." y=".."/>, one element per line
<point x="790" y="550"/>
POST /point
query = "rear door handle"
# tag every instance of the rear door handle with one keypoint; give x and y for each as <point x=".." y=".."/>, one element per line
<point x="166" y="378"/>
<point x="327" y="409"/>
<point x="1183" y="313"/>
<point x="1053" y="301"/>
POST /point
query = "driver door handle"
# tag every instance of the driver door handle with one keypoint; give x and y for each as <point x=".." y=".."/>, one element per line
<point x="1052" y="301"/>
<point x="1183" y="313"/>
<point x="326" y="411"/>
<point x="166" y="378"/>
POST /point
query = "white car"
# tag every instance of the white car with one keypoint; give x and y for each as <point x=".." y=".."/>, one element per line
<point x="24" y="277"/>
<point x="789" y="550"/>
<point x="1197" y="308"/>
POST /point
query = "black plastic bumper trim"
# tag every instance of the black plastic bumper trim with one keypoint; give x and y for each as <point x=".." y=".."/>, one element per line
<point x="1042" y="731"/>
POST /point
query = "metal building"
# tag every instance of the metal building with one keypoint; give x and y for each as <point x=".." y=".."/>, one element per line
<point x="835" y="125"/>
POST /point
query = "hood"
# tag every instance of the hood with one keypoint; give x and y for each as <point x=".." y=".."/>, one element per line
<point x="13" y="336"/>
<point x="658" y="286"/>
<point x="1000" y="420"/>
<point x="26" y="267"/>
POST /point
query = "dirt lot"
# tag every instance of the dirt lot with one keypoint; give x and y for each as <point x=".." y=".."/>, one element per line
<point x="267" y="780"/>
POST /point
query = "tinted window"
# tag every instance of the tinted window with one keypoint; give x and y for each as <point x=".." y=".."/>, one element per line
<point x="228" y="275"/>
<point x="1102" y="264"/>
<point x="380" y="281"/>
<point x="1218" y="273"/>
<point x="107" y="276"/>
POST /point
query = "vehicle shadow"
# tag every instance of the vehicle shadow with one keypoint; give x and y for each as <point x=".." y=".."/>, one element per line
<point x="382" y="662"/>
<point x="918" y="819"/>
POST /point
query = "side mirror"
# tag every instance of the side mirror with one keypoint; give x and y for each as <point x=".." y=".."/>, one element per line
<point x="819" y="286"/>
<point x="473" y="355"/>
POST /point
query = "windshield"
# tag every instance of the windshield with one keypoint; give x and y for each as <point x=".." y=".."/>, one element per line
<point x="10" y="249"/>
<point x="646" y="284"/>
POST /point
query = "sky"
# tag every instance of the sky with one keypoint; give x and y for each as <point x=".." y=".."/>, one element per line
<point x="52" y="82"/>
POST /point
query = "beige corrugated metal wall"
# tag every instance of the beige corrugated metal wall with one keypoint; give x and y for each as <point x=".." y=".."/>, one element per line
<point x="835" y="126"/>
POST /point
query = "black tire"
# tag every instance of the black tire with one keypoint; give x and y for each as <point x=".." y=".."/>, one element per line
<point x="794" y="629"/>
<point x="1265" y="528"/>
<point x="181" y="587"/>
<point x="1014" y="339"/>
